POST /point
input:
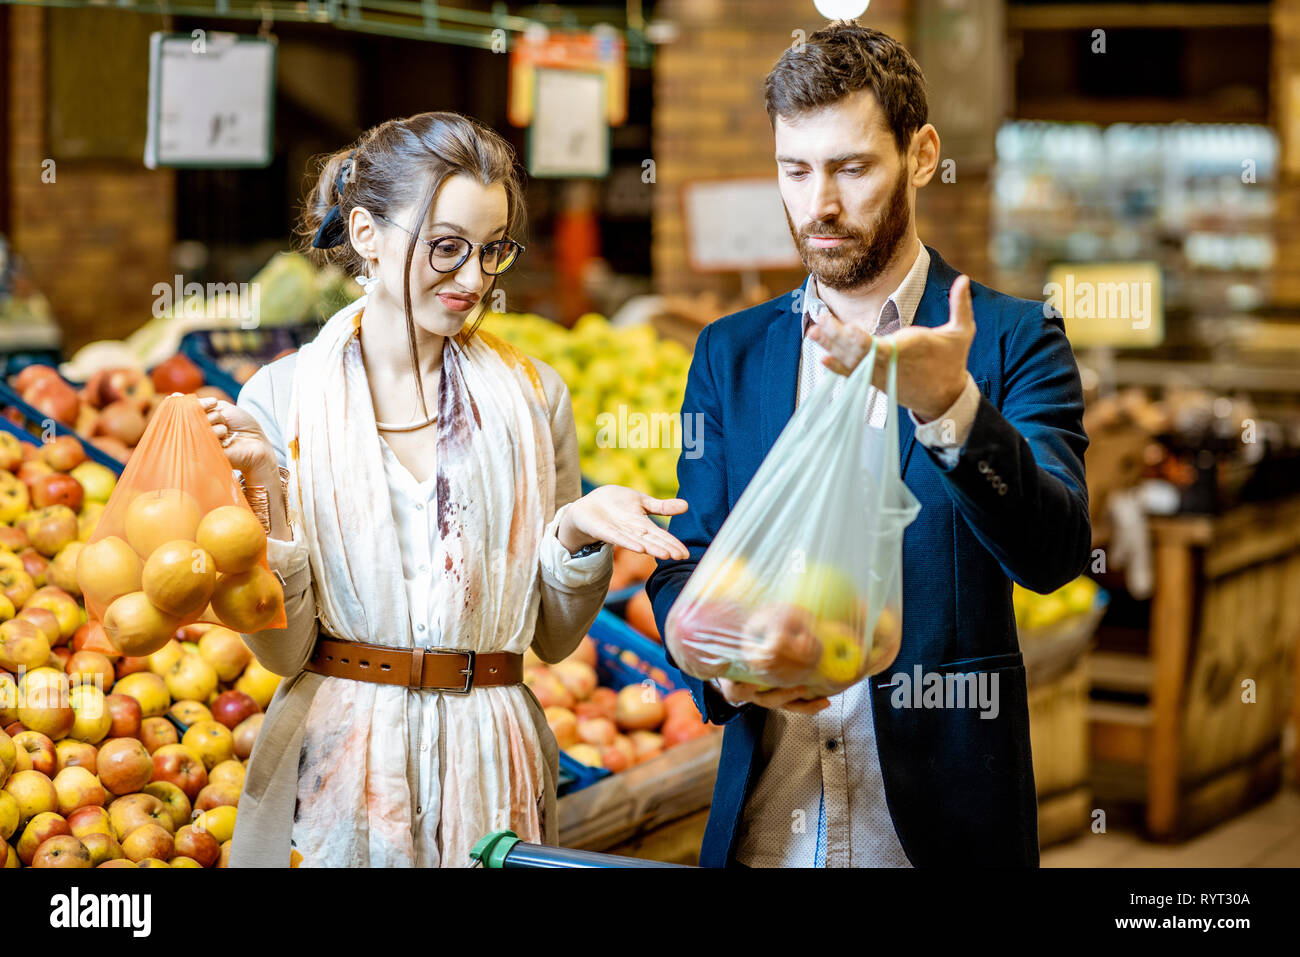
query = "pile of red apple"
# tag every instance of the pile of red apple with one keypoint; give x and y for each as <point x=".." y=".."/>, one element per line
<point x="604" y="728"/>
<point x="113" y="409"/>
<point x="94" y="767"/>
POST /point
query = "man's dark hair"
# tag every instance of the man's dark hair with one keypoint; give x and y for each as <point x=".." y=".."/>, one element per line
<point x="843" y="58"/>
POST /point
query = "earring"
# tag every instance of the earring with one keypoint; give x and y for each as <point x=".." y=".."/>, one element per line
<point x="367" y="280"/>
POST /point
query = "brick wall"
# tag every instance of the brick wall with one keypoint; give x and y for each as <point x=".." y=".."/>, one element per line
<point x="99" y="237"/>
<point x="1285" y="118"/>
<point x="709" y="123"/>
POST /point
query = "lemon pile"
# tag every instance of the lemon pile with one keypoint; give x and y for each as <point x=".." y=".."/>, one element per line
<point x="607" y="368"/>
<point x="1035" y="611"/>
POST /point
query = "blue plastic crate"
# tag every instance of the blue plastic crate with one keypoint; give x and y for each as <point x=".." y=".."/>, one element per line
<point x="214" y="350"/>
<point x="613" y="636"/>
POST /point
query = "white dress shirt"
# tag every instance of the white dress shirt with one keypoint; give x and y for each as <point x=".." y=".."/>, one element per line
<point x="820" y="798"/>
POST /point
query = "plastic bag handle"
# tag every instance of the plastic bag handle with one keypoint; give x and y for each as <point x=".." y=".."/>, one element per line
<point x="891" y="415"/>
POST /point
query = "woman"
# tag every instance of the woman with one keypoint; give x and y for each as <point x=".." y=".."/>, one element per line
<point x="460" y="529"/>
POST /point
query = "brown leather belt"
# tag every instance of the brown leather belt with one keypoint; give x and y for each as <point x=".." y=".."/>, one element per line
<point x="442" y="669"/>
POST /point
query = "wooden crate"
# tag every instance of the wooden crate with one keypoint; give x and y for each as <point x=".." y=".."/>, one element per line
<point x="633" y="803"/>
<point x="1225" y="619"/>
<point x="1058" y="735"/>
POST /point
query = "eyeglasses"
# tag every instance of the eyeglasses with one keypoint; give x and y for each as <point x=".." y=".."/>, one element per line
<point x="449" y="253"/>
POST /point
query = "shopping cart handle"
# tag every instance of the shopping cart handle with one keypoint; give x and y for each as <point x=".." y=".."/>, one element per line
<point x="504" y="849"/>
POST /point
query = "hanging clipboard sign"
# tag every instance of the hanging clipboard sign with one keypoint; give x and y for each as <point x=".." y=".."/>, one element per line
<point x="211" y="100"/>
<point x="569" y="136"/>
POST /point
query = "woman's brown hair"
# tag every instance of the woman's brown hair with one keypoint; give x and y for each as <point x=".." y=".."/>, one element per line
<point x="404" y="161"/>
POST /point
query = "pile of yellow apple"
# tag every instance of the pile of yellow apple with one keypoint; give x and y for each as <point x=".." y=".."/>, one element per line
<point x="805" y="629"/>
<point x="96" y="771"/>
<point x="93" y="766"/>
<point x="1036" y="613"/>
<point x="604" y="728"/>
<point x="615" y="375"/>
<point x="174" y="565"/>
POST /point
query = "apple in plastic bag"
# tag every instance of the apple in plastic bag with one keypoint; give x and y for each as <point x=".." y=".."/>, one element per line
<point x="783" y="650"/>
<point x="705" y="637"/>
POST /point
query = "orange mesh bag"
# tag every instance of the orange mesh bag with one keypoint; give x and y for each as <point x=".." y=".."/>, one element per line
<point x="177" y="543"/>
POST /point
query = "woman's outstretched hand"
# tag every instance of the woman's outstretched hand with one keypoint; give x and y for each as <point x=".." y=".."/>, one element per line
<point x="621" y="516"/>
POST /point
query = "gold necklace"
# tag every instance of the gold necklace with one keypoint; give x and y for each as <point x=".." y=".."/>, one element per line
<point x="408" y="427"/>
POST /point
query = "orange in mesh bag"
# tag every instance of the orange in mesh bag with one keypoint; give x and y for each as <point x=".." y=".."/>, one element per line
<point x="177" y="543"/>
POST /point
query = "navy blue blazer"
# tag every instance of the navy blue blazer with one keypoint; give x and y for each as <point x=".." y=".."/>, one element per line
<point x="960" y="788"/>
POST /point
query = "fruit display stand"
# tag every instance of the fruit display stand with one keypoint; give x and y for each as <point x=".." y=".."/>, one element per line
<point x="626" y="384"/>
<point x="36" y="423"/>
<point x="1056" y="668"/>
<point x="107" y="760"/>
<point x="109" y="412"/>
<point x="602" y="809"/>
<point x="1193" y="731"/>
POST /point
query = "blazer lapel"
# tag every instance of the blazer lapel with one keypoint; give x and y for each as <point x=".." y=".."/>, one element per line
<point x="932" y="311"/>
<point x="780" y="374"/>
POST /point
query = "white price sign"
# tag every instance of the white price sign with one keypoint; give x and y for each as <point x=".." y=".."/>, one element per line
<point x="211" y="100"/>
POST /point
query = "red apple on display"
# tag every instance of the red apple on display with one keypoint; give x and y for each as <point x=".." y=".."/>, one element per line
<point x="30" y="471"/>
<point x="91" y="667"/>
<point x="78" y="788"/>
<point x="46" y="621"/>
<point x="124" y="765"/>
<point x="63" y="453"/>
<point x="102" y="847"/>
<point x="123" y="422"/>
<point x="126" y="716"/>
<point x="12" y="537"/>
<point x="130" y="664"/>
<point x="148" y="841"/>
<point x="157" y="732"/>
<point x="200" y="845"/>
<point x="217" y="795"/>
<point x="40" y="749"/>
<point x="92" y="819"/>
<point x="51" y="528"/>
<point x="63" y="851"/>
<point x="246" y="735"/>
<point x="232" y="707"/>
<point x="40" y="829"/>
<point x="124" y="385"/>
<point x="71" y="753"/>
<point x="182" y="767"/>
<point x="34" y="564"/>
<point x="173" y="799"/>
<point x="132" y="811"/>
<point x="53" y="397"/>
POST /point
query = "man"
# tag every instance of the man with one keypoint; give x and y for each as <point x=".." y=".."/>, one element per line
<point x="992" y="446"/>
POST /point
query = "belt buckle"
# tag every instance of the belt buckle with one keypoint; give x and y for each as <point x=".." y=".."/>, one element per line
<point x="467" y="671"/>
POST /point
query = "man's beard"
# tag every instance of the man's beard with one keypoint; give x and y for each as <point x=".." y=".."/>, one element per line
<point x="865" y="253"/>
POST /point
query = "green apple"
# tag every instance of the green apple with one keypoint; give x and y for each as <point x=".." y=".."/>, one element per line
<point x="824" y="590"/>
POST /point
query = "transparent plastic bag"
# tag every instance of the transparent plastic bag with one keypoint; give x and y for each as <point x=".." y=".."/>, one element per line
<point x="803" y="583"/>
<point x="177" y="543"/>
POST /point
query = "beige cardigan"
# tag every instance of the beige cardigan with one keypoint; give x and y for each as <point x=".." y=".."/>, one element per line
<point x="266" y="805"/>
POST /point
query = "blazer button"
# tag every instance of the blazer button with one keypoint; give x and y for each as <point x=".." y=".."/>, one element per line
<point x="984" y="468"/>
<point x="1002" y="489"/>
